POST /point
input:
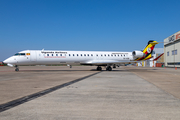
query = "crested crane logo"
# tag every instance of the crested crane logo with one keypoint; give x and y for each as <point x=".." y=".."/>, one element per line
<point x="149" y="50"/>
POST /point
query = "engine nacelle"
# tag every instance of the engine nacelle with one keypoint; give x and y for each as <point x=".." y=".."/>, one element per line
<point x="138" y="54"/>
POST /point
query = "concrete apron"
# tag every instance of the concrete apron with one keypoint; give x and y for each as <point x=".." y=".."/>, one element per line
<point x="107" y="95"/>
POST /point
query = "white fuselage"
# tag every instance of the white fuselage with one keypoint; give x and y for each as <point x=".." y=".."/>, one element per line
<point x="45" y="57"/>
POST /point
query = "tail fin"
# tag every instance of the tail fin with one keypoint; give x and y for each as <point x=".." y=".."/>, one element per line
<point x="148" y="50"/>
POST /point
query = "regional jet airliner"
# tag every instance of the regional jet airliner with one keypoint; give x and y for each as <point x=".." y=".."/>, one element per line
<point x="93" y="58"/>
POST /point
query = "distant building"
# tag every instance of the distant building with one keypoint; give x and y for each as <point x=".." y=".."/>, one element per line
<point x="172" y="50"/>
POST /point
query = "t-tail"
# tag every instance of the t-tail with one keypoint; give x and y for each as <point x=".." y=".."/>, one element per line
<point x="146" y="53"/>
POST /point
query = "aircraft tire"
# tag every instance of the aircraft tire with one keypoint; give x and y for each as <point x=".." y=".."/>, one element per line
<point x="17" y="69"/>
<point x="99" y="68"/>
<point x="109" y="68"/>
<point x="114" y="66"/>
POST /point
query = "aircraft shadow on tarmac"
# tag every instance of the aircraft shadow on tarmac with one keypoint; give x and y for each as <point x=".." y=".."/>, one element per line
<point x="51" y="70"/>
<point x="67" y="70"/>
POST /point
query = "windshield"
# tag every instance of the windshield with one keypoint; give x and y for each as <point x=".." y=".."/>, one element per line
<point x="19" y="54"/>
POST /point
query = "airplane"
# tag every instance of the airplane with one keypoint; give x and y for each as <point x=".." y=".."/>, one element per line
<point x="91" y="58"/>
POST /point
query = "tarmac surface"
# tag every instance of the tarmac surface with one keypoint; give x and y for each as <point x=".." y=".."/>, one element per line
<point x="82" y="93"/>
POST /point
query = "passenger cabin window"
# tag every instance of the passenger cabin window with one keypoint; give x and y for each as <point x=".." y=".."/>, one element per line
<point x="56" y="54"/>
<point x="81" y="54"/>
<point x="73" y="54"/>
<point x="91" y="54"/>
<point x="77" y="54"/>
<point x="60" y="54"/>
<point x="69" y="54"/>
<point x="47" y="54"/>
<point x="87" y="54"/>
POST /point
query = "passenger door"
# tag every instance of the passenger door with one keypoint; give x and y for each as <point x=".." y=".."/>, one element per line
<point x="33" y="56"/>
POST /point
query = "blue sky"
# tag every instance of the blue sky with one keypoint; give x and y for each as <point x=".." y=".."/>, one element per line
<point x="91" y="25"/>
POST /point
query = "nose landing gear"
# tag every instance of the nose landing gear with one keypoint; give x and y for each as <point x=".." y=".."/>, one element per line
<point x="16" y="68"/>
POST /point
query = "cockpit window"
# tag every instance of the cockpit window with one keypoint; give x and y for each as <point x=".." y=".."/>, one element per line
<point x="16" y="54"/>
<point x="19" y="54"/>
<point x="22" y="53"/>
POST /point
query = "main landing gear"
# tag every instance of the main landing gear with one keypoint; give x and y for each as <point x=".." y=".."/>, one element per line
<point x="108" y="68"/>
<point x="99" y="68"/>
<point x="16" y="68"/>
<point x="114" y="66"/>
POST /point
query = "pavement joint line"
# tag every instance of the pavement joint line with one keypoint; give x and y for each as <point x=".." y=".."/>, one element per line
<point x="19" y="101"/>
<point x="164" y="90"/>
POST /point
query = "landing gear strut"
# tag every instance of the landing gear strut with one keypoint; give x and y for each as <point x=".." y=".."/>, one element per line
<point x="99" y="68"/>
<point x="114" y="66"/>
<point x="17" y="68"/>
<point x="108" y="68"/>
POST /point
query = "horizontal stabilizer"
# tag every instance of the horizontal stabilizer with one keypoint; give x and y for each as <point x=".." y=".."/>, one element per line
<point x="158" y="57"/>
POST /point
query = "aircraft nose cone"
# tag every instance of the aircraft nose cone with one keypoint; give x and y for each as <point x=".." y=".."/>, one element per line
<point x="5" y="61"/>
<point x="9" y="60"/>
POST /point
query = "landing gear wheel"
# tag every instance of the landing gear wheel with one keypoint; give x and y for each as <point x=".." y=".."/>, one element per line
<point x="17" y="69"/>
<point x="99" y="68"/>
<point x="109" y="68"/>
<point x="114" y="66"/>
